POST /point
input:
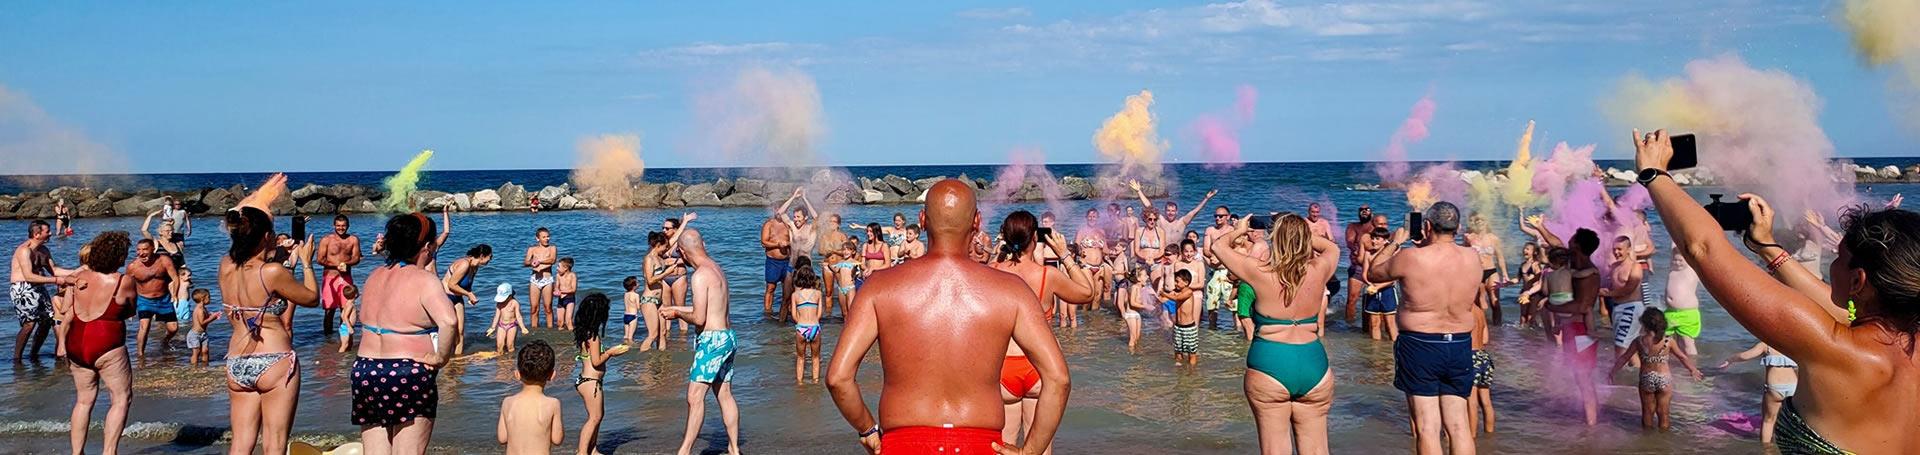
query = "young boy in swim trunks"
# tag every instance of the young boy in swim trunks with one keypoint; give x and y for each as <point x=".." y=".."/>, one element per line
<point x="1186" y="319"/>
<point x="197" y="333"/>
<point x="506" y="319"/>
<point x="630" y="307"/>
<point x="530" y="420"/>
<point x="349" y="314"/>
<point x="565" y="284"/>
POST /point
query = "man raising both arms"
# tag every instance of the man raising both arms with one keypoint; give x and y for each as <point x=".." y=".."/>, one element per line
<point x="940" y="396"/>
<point x="1433" y="358"/>
<point x="338" y="254"/>
<point x="713" y="351"/>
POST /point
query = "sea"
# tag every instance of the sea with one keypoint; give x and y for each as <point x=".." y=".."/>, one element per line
<point x="1120" y="403"/>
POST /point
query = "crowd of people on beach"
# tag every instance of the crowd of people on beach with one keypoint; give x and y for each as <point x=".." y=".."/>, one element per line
<point x="1431" y="287"/>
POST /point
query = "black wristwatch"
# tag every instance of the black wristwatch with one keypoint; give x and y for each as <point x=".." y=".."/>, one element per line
<point x="1648" y="175"/>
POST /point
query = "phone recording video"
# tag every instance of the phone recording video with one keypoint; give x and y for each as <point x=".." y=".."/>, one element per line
<point x="1046" y="233"/>
<point x="1260" y="222"/>
<point x="299" y="228"/>
<point x="1686" y="154"/>
<point x="1732" y="216"/>
<point x="1416" y="227"/>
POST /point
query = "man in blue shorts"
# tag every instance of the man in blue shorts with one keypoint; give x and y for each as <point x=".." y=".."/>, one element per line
<point x="777" y="240"/>
<point x="1433" y="358"/>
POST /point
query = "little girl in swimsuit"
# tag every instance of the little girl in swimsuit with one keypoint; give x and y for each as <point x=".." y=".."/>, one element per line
<point x="506" y="319"/>
<point x="1656" y="378"/>
<point x="592" y="317"/>
<point x="1136" y="295"/>
<point x="843" y="272"/>
<point x="806" y="319"/>
<point x="1530" y="300"/>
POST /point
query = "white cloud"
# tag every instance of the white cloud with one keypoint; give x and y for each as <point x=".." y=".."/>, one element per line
<point x="705" y="53"/>
<point x="1017" y="12"/>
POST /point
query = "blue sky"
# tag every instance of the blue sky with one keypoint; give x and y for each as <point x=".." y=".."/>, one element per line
<point x="252" y="86"/>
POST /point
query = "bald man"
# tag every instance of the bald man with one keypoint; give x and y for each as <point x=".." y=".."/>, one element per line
<point x="713" y="351"/>
<point x="948" y="321"/>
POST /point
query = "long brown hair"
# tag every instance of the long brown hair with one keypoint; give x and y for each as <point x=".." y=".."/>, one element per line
<point x="1292" y="248"/>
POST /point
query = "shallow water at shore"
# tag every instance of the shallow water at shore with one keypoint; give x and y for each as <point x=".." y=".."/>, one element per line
<point x="1121" y="403"/>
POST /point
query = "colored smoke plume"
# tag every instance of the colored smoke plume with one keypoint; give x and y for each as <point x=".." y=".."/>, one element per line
<point x="1393" y="167"/>
<point x="1026" y="171"/>
<point x="606" y="168"/>
<point x="1518" y="191"/>
<point x="765" y="117"/>
<point x="1884" y="33"/>
<point x="401" y="185"/>
<point x="1129" y="142"/>
<point x="1436" y="183"/>
<point x="1758" y="130"/>
<point x="1218" y="135"/>
<point x="34" y="143"/>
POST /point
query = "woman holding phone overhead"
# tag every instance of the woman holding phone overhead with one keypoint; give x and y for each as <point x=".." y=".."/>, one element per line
<point x="263" y="373"/>
<point x="1860" y="379"/>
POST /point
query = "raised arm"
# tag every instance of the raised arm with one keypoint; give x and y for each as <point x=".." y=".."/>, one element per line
<point x="1760" y="240"/>
<point x="446" y="228"/>
<point x="146" y="227"/>
<point x="1773" y="312"/>
<point x="1829" y="240"/>
<point x="856" y="339"/>
<point x="1145" y="204"/>
<point x="1235" y="261"/>
<point x="1076" y="288"/>
<point x="1380" y="266"/>
<point x="304" y="292"/>
<point x="1188" y="217"/>
<point x="781" y="214"/>
<point x="1539" y="226"/>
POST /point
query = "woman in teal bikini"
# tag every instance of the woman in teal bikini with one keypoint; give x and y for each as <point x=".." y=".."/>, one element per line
<point x="1288" y="382"/>
<point x="1861" y="378"/>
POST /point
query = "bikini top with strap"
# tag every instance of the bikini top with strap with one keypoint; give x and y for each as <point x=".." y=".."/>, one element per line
<point x="1262" y="320"/>
<point x="806" y="303"/>
<point x="275" y="305"/>
<point x="88" y="340"/>
<point x="1647" y="356"/>
<point x="872" y="255"/>
<point x="1155" y="244"/>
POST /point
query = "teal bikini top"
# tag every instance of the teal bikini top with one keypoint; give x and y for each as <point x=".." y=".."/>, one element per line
<point x="1260" y="320"/>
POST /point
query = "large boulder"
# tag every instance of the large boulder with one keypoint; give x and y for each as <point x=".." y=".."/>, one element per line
<point x="872" y="196"/>
<point x="705" y="199"/>
<point x="283" y="205"/>
<point x="307" y="192"/>
<point x="567" y="202"/>
<point x="753" y="186"/>
<point x="428" y="199"/>
<point x="840" y="196"/>
<point x="37" y="207"/>
<point x="342" y="191"/>
<point x="722" y="187"/>
<point x="699" y="192"/>
<point x="512" y="197"/>
<point x="8" y="202"/>
<point x="148" y="193"/>
<point x="461" y="202"/>
<point x="73" y="195"/>
<point x="1075" y="188"/>
<point x="822" y="176"/>
<point x="486" y="200"/>
<point x="1890" y="172"/>
<point x="553" y="193"/>
<point x="744" y="199"/>
<point x="359" y="204"/>
<point x="644" y="196"/>
<point x="670" y="194"/>
<point x="318" y="206"/>
<point x="218" y="200"/>
<point x="927" y="183"/>
<point x="93" y="208"/>
<point x="899" y="185"/>
<point x="135" y="206"/>
<point x="781" y="190"/>
<point x="115" y="195"/>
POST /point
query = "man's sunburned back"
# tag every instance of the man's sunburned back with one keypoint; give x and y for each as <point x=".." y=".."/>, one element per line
<point x="1437" y="284"/>
<point x="954" y="320"/>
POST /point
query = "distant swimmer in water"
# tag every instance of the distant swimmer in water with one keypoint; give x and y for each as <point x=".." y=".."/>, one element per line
<point x="1433" y="358"/>
<point x="540" y="258"/>
<point x="714" y="350"/>
<point x="1288" y="381"/>
<point x="940" y="396"/>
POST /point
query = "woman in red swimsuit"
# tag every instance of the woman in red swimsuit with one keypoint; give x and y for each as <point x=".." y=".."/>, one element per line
<point x="263" y="374"/>
<point x="97" y="336"/>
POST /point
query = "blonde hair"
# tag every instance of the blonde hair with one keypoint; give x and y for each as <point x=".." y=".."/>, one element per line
<point x="1291" y="246"/>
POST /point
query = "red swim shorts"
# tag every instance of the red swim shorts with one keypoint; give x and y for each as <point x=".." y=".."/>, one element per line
<point x="938" y="440"/>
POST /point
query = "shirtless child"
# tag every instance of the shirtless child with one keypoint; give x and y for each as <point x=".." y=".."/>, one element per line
<point x="506" y="319"/>
<point x="540" y="259"/>
<point x="565" y="285"/>
<point x="530" y="421"/>
<point x="197" y="333"/>
<point x="1186" y="319"/>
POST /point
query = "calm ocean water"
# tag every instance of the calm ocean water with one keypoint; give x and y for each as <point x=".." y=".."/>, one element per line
<point x="1121" y="403"/>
